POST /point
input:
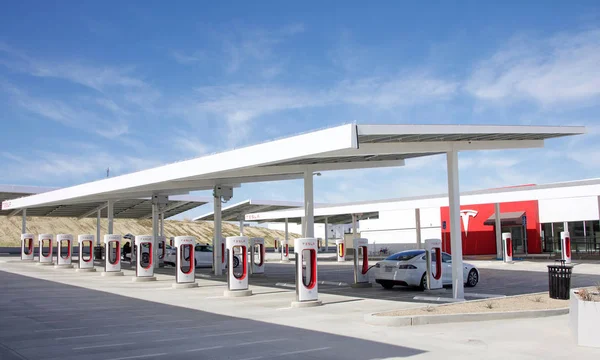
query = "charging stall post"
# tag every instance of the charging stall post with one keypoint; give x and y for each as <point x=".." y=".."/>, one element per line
<point x="257" y="256"/>
<point x="64" y="244"/>
<point x="112" y="255"/>
<point x="237" y="282"/>
<point x="565" y="249"/>
<point x="185" y="264"/>
<point x="144" y="267"/>
<point x="433" y="258"/>
<point x="27" y="247"/>
<point x="507" y="247"/>
<point x="307" y="289"/>
<point x="45" y="241"/>
<point x="341" y="250"/>
<point x="86" y="245"/>
<point x="285" y="251"/>
<point x="361" y="263"/>
<point x="161" y="242"/>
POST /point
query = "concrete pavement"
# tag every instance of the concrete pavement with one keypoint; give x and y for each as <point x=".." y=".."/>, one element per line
<point x="341" y="317"/>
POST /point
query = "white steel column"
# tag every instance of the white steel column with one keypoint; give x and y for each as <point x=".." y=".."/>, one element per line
<point x="241" y="226"/>
<point x="418" y="227"/>
<point x="98" y="228"/>
<point x="162" y="224"/>
<point x="217" y="235"/>
<point x="286" y="230"/>
<point x="354" y="231"/>
<point x="155" y="230"/>
<point x="455" y="227"/>
<point x="24" y="221"/>
<point x="109" y="216"/>
<point x="309" y="220"/>
<point x="326" y="236"/>
<point x="499" y="252"/>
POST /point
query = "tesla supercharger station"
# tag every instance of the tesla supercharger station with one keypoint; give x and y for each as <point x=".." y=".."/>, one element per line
<point x="86" y="253"/>
<point x="433" y="258"/>
<point x="27" y="247"/>
<point x="276" y="245"/>
<point x="221" y="256"/>
<point x="257" y="256"/>
<point x="185" y="276"/>
<point x="64" y="250"/>
<point x="237" y="282"/>
<point x="361" y="263"/>
<point x="45" y="241"/>
<point x="565" y="252"/>
<point x="341" y="250"/>
<point x="285" y="251"/>
<point x="112" y="255"/>
<point x="307" y="290"/>
<point x="144" y="266"/>
<point x="172" y="241"/>
<point x="161" y="242"/>
<point x="507" y="247"/>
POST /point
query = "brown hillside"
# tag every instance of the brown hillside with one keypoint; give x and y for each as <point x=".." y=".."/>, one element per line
<point x="10" y="228"/>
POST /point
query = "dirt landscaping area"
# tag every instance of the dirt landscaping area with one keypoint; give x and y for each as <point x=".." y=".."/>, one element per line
<point x="540" y="301"/>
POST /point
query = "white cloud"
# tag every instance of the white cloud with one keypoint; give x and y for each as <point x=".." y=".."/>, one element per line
<point x="187" y="59"/>
<point x="85" y="165"/>
<point x="564" y="68"/>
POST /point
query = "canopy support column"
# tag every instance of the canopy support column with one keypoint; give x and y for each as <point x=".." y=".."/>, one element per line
<point x="354" y="227"/>
<point x="24" y="221"/>
<point x="326" y="236"/>
<point x="162" y="224"/>
<point x="498" y="228"/>
<point x="455" y="227"/>
<point x="241" y="226"/>
<point x="309" y="220"/>
<point x="109" y="215"/>
<point x="418" y="227"/>
<point x="285" y="233"/>
<point x="217" y="235"/>
<point x="98" y="228"/>
<point x="154" y="233"/>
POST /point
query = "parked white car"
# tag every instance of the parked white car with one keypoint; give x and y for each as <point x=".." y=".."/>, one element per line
<point x="203" y="256"/>
<point x="408" y="268"/>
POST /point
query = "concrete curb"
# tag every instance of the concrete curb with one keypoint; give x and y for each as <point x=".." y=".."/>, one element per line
<point x="411" y="320"/>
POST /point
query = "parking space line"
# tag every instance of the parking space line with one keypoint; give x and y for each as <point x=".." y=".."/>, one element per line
<point x="100" y="346"/>
<point x="260" y="342"/>
<point x="143" y="331"/>
<point x="138" y="356"/>
<point x="203" y="349"/>
<point x="63" y="329"/>
<point x="80" y="336"/>
<point x="304" y="351"/>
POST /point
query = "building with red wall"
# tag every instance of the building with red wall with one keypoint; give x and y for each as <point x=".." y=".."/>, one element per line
<point x="479" y="230"/>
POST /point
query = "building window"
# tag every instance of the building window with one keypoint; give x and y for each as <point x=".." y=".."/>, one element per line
<point x="592" y="232"/>
<point x="547" y="237"/>
<point x="577" y="234"/>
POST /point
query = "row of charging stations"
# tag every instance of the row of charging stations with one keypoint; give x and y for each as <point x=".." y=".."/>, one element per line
<point x="433" y="258"/>
<point x="64" y="244"/>
<point x="285" y="251"/>
<point x="565" y="248"/>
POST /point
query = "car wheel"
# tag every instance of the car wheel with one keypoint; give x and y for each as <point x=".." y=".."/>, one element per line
<point x="236" y="262"/>
<point x="472" y="278"/>
<point x="387" y="285"/>
<point x="423" y="285"/>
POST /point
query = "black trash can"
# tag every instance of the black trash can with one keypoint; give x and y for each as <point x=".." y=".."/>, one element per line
<point x="98" y="252"/>
<point x="559" y="281"/>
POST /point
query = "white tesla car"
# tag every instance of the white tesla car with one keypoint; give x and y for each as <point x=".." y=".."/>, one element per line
<point x="408" y="268"/>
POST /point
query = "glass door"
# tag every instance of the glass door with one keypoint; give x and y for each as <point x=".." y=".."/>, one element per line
<point x="516" y="233"/>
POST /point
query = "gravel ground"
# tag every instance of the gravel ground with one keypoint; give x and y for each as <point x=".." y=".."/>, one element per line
<point x="539" y="301"/>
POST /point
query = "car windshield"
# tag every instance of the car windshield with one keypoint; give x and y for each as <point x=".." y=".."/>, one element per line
<point x="405" y="255"/>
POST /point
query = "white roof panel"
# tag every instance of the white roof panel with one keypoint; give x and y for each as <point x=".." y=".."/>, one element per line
<point x="343" y="147"/>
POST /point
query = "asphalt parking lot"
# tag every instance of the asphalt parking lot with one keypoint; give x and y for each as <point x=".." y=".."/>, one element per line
<point x="338" y="277"/>
<point x="48" y="320"/>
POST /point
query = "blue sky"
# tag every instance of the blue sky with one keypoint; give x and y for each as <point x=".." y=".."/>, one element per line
<point x="129" y="85"/>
